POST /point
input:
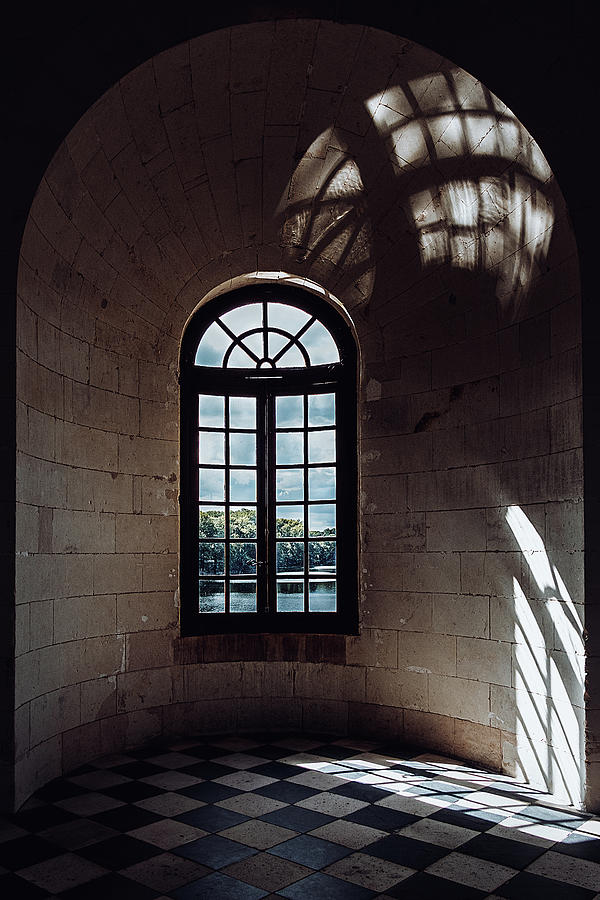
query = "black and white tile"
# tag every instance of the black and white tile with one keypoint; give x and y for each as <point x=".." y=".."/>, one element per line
<point x="297" y="817"/>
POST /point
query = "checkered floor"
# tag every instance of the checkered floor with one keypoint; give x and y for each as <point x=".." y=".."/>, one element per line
<point x="239" y="818"/>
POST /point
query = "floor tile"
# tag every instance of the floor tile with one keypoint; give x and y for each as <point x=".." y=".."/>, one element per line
<point x="62" y="872"/>
<point x="89" y="804"/>
<point x="126" y="818"/>
<point x="132" y="791"/>
<point x="574" y="870"/>
<point x="165" y="872"/>
<point x="477" y="873"/>
<point x="25" y="851"/>
<point x="440" y="833"/>
<point x="331" y="804"/>
<point x="110" y="887"/>
<point x="172" y="760"/>
<point x="536" y="887"/>
<point x="406" y="851"/>
<point x="381" y="818"/>
<point x="580" y="844"/>
<point x="423" y="886"/>
<point x="364" y="792"/>
<point x="296" y="818"/>
<point x="325" y="886"/>
<point x="515" y="854"/>
<point x="349" y="834"/>
<point x="315" y="780"/>
<point x="78" y="833"/>
<point x="171" y="781"/>
<point x="214" y="851"/>
<point x="242" y="761"/>
<point x="43" y="817"/>
<point x="250" y="804"/>
<point x="209" y="791"/>
<point x="13" y="887"/>
<point x="169" y="803"/>
<point x="167" y="833"/>
<point x="211" y="818"/>
<point x="286" y="791"/>
<point x="99" y="779"/>
<point x="218" y="887"/>
<point x="245" y="780"/>
<point x="119" y="852"/>
<point x="138" y="769"/>
<point x="310" y="851"/>
<point x="478" y="820"/>
<point x="260" y="835"/>
<point x="369" y="871"/>
<point x="276" y="770"/>
<point x="268" y="872"/>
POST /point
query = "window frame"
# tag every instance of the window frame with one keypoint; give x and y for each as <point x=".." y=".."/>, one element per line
<point x="339" y="377"/>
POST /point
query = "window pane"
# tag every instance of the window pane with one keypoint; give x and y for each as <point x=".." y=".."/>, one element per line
<point x="290" y="521"/>
<point x="321" y="446"/>
<point x="211" y="557"/>
<point x="290" y="557"/>
<point x="276" y="342"/>
<point x="242" y="596"/>
<point x="242" y="449"/>
<point x="242" y="412"/>
<point x="212" y="485"/>
<point x="212" y="522"/>
<point x="212" y="447"/>
<point x="239" y="359"/>
<point x="211" y="411"/>
<point x="255" y="342"/>
<point x="290" y="596"/>
<point x="291" y="359"/>
<point x="321" y="556"/>
<point x="321" y="519"/>
<point x="289" y="412"/>
<point x="322" y="596"/>
<point x="321" y="483"/>
<point x="243" y="318"/>
<point x="290" y="448"/>
<point x="211" y="596"/>
<point x="289" y="318"/>
<point x="242" y="522"/>
<point x="289" y="484"/>
<point x="213" y="344"/>
<point x="320" y="345"/>
<point x="242" y="485"/>
<point x="242" y="559"/>
<point x="321" y="409"/>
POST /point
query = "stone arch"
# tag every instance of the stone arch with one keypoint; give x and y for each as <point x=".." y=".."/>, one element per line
<point x="399" y="183"/>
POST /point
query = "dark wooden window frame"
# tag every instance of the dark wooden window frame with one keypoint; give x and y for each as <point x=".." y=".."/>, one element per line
<point x="266" y="384"/>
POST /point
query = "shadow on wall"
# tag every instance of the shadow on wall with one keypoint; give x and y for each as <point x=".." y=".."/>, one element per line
<point x="442" y="161"/>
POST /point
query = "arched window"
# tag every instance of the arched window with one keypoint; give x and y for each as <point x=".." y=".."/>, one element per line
<point x="268" y="456"/>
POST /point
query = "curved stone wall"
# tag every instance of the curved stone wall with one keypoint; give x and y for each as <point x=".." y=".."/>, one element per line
<point x="399" y="183"/>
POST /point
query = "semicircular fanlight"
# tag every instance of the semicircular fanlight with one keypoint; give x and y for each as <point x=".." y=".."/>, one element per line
<point x="267" y="334"/>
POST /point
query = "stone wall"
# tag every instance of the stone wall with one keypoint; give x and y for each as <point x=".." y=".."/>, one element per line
<point x="396" y="181"/>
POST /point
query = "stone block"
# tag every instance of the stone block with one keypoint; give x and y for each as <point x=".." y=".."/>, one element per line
<point x="459" y="698"/>
<point x="484" y="660"/>
<point x="98" y="698"/>
<point x="214" y="681"/>
<point x="55" y="712"/>
<point x="117" y="573"/>
<point x="429" y="730"/>
<point x="146" y="612"/>
<point x="397" y="610"/>
<point x="329" y="682"/>
<point x="373" y="647"/>
<point x="83" y="617"/>
<point x="456" y="530"/>
<point x="325" y="716"/>
<point x="427" y="653"/>
<point x="478" y="743"/>
<point x="390" y="687"/>
<point x="461" y="614"/>
<point x="76" y="531"/>
<point x="144" y="689"/>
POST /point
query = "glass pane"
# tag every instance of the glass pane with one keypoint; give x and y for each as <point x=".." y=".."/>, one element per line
<point x="212" y="447"/>
<point x="242" y="559"/>
<point x="276" y="342"/>
<point x="242" y="596"/>
<point x="255" y="343"/>
<point x="289" y="484"/>
<point x="291" y="359"/>
<point x="321" y="519"/>
<point x="211" y="596"/>
<point x="321" y="446"/>
<point x="290" y="449"/>
<point x="242" y="485"/>
<point x="239" y="359"/>
<point x="321" y="483"/>
<point x="290" y="521"/>
<point x="290" y="318"/>
<point x="289" y="412"/>
<point x="290" y="557"/>
<point x="242" y="522"/>
<point x="211" y="557"/>
<point x="320" y="345"/>
<point x="242" y="412"/>
<point x="322" y="596"/>
<point x="321" y="556"/>
<point x="242" y="449"/>
<point x="290" y="596"/>
<point x="211" y="522"/>
<point x="213" y="344"/>
<point x="243" y="318"/>
<point x="212" y="485"/>
<point x="211" y="411"/>
<point x="321" y="409"/>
